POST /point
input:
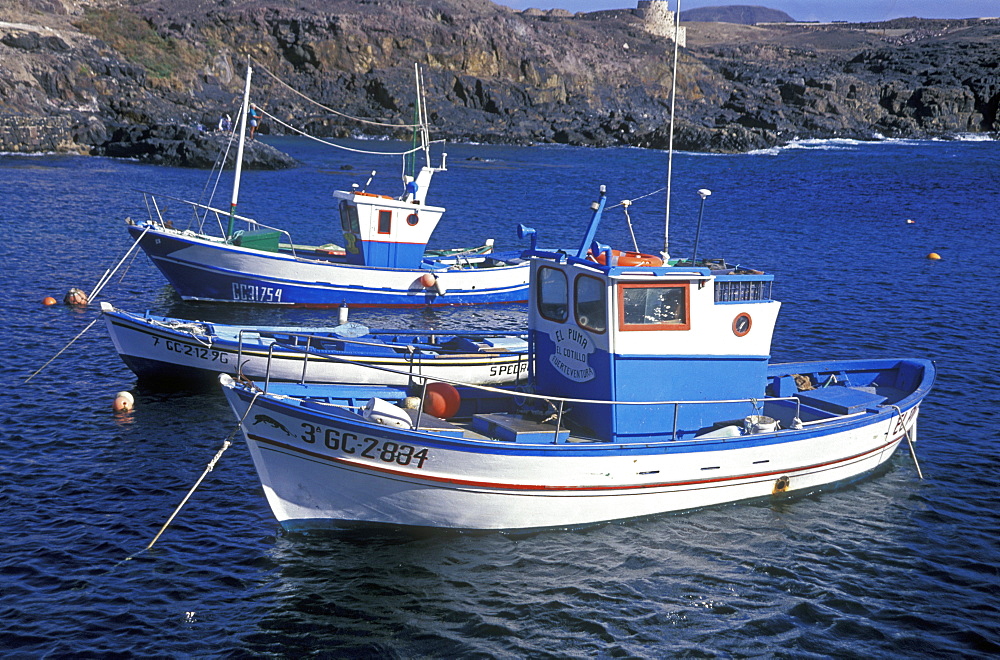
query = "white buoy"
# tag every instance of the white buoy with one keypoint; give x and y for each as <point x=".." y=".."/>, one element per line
<point x="124" y="402"/>
<point x="343" y="313"/>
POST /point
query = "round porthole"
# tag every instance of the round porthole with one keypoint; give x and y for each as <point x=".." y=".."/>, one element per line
<point x="412" y="219"/>
<point x="741" y="324"/>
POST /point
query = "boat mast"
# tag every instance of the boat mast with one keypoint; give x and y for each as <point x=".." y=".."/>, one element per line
<point x="670" y="147"/>
<point x="239" y="154"/>
<point x="425" y="136"/>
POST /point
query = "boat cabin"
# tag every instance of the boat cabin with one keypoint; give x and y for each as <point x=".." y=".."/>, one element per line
<point x="605" y="332"/>
<point x="388" y="232"/>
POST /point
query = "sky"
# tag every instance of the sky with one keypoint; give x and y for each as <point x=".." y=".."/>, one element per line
<point x="803" y="10"/>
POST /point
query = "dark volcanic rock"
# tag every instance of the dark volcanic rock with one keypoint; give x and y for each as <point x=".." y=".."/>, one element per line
<point x="183" y="146"/>
<point x="117" y="78"/>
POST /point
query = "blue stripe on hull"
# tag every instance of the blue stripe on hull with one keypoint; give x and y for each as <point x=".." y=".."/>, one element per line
<point x="541" y="489"/>
<point x="204" y="282"/>
<point x="430" y="439"/>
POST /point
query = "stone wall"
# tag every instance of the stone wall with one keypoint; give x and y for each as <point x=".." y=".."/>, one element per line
<point x="24" y="134"/>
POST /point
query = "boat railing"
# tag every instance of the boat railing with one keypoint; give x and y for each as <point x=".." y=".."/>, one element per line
<point x="308" y="348"/>
<point x="558" y="403"/>
<point x="156" y="211"/>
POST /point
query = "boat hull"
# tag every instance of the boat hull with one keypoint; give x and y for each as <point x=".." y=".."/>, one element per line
<point x="321" y="468"/>
<point x="206" y="269"/>
<point x="179" y="351"/>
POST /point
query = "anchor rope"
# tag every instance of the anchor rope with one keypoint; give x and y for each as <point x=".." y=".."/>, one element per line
<point x="211" y="466"/>
<point x="101" y="283"/>
<point x="909" y="441"/>
<point x="108" y="274"/>
<point x="62" y="349"/>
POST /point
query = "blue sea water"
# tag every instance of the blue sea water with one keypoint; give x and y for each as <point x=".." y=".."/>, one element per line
<point x="891" y="566"/>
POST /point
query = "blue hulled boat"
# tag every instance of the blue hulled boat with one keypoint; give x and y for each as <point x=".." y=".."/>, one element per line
<point x="650" y="390"/>
<point x="379" y="257"/>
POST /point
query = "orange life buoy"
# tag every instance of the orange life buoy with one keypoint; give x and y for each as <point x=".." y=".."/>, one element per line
<point x="630" y="259"/>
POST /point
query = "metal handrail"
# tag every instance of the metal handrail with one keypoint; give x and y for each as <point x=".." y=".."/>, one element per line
<point x="424" y="380"/>
<point x="411" y="356"/>
<point x="219" y="214"/>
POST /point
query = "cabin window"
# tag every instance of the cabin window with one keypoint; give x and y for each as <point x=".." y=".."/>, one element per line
<point x="384" y="222"/>
<point x="589" y="304"/>
<point x="552" y="294"/>
<point x="412" y="219"/>
<point x="653" y="307"/>
<point x="741" y="290"/>
<point x="349" y="217"/>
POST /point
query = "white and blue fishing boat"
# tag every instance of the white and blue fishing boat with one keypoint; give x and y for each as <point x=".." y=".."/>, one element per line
<point x="378" y="255"/>
<point x="651" y="391"/>
<point x="171" y="351"/>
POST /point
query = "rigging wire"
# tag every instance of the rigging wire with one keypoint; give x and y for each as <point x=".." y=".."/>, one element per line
<point x="339" y="146"/>
<point x="327" y="108"/>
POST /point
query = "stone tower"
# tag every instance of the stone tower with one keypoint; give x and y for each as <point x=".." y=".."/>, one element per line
<point x="659" y="20"/>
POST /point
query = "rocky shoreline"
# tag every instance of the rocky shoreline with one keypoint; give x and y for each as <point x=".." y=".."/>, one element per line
<point x="136" y="79"/>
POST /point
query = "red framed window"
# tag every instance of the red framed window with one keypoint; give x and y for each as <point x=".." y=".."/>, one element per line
<point x="654" y="306"/>
<point x="384" y="222"/>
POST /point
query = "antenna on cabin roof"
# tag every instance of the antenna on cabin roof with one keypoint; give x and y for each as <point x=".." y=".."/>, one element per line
<point x="703" y="193"/>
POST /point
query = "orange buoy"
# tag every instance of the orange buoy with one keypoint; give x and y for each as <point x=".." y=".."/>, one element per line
<point x="934" y="256"/>
<point x="622" y="258"/>
<point x="48" y="300"/>
<point x="427" y="280"/>
<point x="76" y="298"/>
<point x="442" y="400"/>
<point x="910" y="222"/>
<point x="124" y="402"/>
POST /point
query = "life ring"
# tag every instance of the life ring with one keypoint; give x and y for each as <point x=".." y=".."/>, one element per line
<point x="630" y="258"/>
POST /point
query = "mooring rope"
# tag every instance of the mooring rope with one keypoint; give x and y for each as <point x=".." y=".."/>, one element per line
<point x="211" y="466"/>
<point x="108" y="274"/>
<point x="909" y="440"/>
<point x="61" y="351"/>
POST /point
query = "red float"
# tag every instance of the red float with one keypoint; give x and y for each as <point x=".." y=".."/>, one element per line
<point x="442" y="400"/>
